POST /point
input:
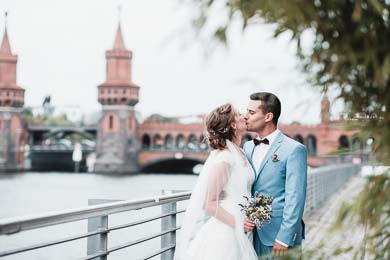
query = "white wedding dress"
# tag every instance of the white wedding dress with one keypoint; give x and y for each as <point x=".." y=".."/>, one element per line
<point x="206" y="236"/>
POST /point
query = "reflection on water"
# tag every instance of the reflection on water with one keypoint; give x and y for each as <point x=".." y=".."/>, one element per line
<point x="32" y="193"/>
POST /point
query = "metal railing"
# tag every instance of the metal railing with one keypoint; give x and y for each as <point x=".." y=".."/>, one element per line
<point x="98" y="230"/>
<point x="322" y="182"/>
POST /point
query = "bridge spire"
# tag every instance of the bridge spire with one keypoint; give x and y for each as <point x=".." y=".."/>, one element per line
<point x="119" y="43"/>
<point x="119" y="65"/>
<point x="325" y="106"/>
<point x="5" y="46"/>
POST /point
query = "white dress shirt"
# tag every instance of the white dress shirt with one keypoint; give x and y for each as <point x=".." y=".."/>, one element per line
<point x="262" y="149"/>
<point x="258" y="156"/>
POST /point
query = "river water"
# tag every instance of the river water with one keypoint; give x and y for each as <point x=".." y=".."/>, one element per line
<point x="33" y="193"/>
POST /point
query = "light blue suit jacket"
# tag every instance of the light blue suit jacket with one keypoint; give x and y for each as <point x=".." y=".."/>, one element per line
<point x="285" y="180"/>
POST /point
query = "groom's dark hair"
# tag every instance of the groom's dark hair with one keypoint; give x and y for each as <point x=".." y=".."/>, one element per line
<point x="270" y="104"/>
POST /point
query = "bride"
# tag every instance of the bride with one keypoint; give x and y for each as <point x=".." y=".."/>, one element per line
<point x="213" y="226"/>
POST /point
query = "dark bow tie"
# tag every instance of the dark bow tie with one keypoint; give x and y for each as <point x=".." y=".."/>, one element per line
<point x="257" y="141"/>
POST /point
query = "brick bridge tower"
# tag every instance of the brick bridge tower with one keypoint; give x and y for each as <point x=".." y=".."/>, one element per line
<point x="325" y="107"/>
<point x="11" y="103"/>
<point x="117" y="136"/>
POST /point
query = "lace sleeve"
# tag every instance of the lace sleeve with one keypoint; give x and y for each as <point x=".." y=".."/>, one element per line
<point x="219" y="176"/>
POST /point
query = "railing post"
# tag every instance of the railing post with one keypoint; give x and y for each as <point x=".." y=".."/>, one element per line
<point x="168" y="222"/>
<point x="98" y="243"/>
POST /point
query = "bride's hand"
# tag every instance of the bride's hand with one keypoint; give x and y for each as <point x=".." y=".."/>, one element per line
<point x="248" y="225"/>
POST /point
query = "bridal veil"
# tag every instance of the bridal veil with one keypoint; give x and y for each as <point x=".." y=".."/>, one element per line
<point x="220" y="187"/>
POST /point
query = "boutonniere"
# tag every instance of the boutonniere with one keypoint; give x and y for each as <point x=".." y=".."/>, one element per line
<point x="275" y="158"/>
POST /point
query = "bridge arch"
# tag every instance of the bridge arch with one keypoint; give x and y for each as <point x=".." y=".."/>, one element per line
<point x="146" y="141"/>
<point x="171" y="165"/>
<point x="157" y="142"/>
<point x="168" y="142"/>
<point x="180" y="142"/>
<point x="356" y="143"/>
<point x="192" y="143"/>
<point x="343" y="142"/>
<point x="311" y="145"/>
<point x="203" y="145"/>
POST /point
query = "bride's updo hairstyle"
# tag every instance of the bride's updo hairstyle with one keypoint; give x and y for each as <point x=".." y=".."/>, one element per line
<point x="218" y="126"/>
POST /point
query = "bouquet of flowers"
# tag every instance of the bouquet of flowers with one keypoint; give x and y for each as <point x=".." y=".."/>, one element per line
<point x="257" y="209"/>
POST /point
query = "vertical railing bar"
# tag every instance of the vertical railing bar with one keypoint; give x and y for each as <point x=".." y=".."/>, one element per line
<point x="98" y="244"/>
<point x="168" y="222"/>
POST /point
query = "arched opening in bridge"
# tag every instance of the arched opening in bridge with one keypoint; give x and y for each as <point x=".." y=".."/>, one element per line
<point x="298" y="138"/>
<point x="343" y="143"/>
<point x="157" y="142"/>
<point x="311" y="145"/>
<point x="180" y="142"/>
<point x="185" y="166"/>
<point x="145" y="141"/>
<point x="356" y="144"/>
<point x="192" y="143"/>
<point x="203" y="143"/>
<point x="168" y="143"/>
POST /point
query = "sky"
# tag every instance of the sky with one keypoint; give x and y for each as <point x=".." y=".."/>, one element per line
<point x="61" y="52"/>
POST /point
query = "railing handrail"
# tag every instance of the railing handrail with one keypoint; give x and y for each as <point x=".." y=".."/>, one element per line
<point x="17" y="224"/>
<point x="327" y="168"/>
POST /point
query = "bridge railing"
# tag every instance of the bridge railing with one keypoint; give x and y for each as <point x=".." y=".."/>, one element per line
<point x="98" y="230"/>
<point x="175" y="149"/>
<point x="58" y="147"/>
<point x="322" y="182"/>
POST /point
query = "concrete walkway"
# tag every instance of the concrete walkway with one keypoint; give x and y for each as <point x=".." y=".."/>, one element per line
<point x="319" y="222"/>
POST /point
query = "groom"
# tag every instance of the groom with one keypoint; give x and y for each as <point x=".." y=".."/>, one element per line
<point x="279" y="164"/>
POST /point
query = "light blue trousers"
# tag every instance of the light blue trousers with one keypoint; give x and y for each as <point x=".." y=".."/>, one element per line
<point x="265" y="252"/>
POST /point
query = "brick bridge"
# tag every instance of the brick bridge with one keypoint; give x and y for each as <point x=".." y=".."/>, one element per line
<point x="121" y="143"/>
<point x="177" y="146"/>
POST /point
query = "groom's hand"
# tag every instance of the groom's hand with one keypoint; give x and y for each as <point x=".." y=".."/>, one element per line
<point x="278" y="249"/>
<point x="248" y="225"/>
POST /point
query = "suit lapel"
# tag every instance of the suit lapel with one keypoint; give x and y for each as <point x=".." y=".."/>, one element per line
<point x="249" y="153"/>
<point x="272" y="150"/>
